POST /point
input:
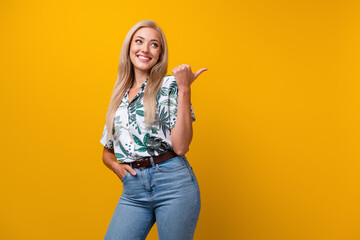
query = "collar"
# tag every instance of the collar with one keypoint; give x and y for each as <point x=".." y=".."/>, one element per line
<point x="125" y="99"/>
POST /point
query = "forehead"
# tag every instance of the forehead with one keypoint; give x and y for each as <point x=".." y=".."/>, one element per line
<point x="147" y="33"/>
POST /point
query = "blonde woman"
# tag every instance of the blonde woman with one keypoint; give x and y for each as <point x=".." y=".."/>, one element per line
<point x="147" y="132"/>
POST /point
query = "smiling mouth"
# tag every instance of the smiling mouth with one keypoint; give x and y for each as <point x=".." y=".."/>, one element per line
<point x="143" y="58"/>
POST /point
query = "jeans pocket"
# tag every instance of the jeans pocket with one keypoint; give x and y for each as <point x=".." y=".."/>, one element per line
<point x="172" y="165"/>
<point x="125" y="177"/>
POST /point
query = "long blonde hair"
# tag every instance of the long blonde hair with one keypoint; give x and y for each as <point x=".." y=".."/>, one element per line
<point x="126" y="76"/>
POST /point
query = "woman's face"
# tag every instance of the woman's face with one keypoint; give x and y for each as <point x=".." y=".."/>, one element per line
<point x="145" y="49"/>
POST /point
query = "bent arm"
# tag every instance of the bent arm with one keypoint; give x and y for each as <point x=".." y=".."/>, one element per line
<point x="109" y="158"/>
<point x="118" y="168"/>
<point x="182" y="133"/>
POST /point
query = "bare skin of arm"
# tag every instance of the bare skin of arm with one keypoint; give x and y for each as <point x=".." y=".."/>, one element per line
<point x="182" y="133"/>
<point x="118" y="168"/>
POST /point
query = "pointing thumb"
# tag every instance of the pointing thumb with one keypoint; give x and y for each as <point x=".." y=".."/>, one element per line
<point x="199" y="72"/>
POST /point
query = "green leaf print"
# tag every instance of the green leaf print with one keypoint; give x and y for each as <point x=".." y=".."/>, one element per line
<point x="132" y="118"/>
<point x="173" y="88"/>
<point x="118" y="132"/>
<point x="119" y="156"/>
<point x="146" y="137"/>
<point x="137" y="127"/>
<point x="155" y="144"/>
<point x="135" y="102"/>
<point x="142" y="149"/>
<point x="168" y="102"/>
<point x="158" y="98"/>
<point x="164" y="118"/>
<point x="164" y="91"/>
<point x="122" y="148"/>
<point x="132" y="108"/>
<point x="173" y="112"/>
<point x="140" y="112"/>
<point x="138" y="99"/>
<point x="138" y="141"/>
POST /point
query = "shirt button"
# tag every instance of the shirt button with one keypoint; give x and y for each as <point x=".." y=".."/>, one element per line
<point x="130" y="142"/>
<point x="127" y="124"/>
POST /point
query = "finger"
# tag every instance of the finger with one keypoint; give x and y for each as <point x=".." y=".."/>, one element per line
<point x="174" y="70"/>
<point x="130" y="170"/>
<point x="199" y="72"/>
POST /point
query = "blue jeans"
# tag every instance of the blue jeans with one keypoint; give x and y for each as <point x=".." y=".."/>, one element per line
<point x="167" y="193"/>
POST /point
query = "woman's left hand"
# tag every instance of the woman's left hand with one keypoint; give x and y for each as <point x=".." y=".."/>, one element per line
<point x="184" y="76"/>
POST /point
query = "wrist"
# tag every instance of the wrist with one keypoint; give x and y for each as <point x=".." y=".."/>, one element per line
<point x="184" y="91"/>
<point x="114" y="165"/>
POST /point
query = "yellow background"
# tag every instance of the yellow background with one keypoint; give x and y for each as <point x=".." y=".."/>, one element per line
<point x="276" y="137"/>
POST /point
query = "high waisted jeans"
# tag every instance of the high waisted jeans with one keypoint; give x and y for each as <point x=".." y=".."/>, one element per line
<point x="167" y="193"/>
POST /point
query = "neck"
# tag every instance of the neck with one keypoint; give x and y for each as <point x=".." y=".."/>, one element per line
<point x="140" y="77"/>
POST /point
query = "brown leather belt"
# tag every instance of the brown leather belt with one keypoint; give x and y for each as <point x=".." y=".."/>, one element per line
<point x="146" y="162"/>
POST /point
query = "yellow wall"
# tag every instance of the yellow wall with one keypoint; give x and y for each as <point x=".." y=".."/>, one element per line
<point x="276" y="140"/>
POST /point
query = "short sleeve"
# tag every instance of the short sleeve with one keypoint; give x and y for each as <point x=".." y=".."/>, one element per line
<point x="105" y="140"/>
<point x="173" y="104"/>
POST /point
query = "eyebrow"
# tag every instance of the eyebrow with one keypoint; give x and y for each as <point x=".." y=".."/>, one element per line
<point x="150" y="40"/>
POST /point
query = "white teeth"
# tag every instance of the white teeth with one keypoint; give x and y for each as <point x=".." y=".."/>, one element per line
<point x="141" y="57"/>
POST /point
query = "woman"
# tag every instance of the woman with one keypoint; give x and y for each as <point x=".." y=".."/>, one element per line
<point x="148" y="130"/>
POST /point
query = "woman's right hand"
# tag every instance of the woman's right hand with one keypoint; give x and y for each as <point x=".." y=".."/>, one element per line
<point x="120" y="169"/>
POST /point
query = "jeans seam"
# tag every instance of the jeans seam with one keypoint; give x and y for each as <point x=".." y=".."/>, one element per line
<point x="196" y="188"/>
<point x="145" y="230"/>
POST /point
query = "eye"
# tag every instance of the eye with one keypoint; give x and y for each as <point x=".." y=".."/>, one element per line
<point x="137" y="40"/>
<point x="155" y="44"/>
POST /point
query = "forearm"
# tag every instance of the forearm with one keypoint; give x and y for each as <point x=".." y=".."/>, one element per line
<point x="181" y="134"/>
<point x="109" y="158"/>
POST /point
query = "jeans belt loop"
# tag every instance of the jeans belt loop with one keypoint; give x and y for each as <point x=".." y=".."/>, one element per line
<point x="152" y="162"/>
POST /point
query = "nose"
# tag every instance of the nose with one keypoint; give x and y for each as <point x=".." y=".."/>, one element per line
<point x="145" y="48"/>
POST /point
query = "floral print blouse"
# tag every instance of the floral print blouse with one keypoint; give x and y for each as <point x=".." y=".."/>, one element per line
<point x="131" y="139"/>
